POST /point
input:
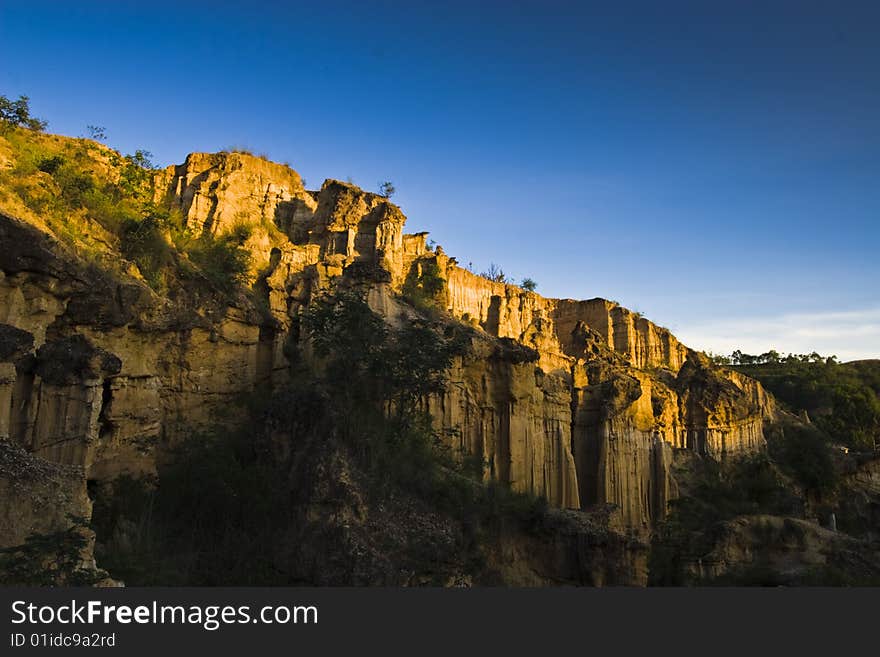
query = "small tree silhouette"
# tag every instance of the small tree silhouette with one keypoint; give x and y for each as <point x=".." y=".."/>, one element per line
<point x="494" y="273"/>
<point x="96" y="132"/>
<point x="387" y="189"/>
<point x="18" y="113"/>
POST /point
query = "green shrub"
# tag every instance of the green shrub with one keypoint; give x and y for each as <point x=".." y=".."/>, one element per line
<point x="135" y="175"/>
<point x="212" y="517"/>
<point x="747" y="485"/>
<point x="50" y="164"/>
<point x="372" y="364"/>
<point x="49" y="560"/>
<point x="424" y="286"/>
<point x="378" y="377"/>
<point x="75" y="185"/>
<point x="223" y="260"/>
<point x="387" y="189"/>
<point x="842" y="399"/>
<point x="142" y="242"/>
<point x="804" y="453"/>
<point x="96" y="132"/>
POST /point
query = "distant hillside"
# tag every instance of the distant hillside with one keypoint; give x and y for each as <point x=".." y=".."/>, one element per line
<point x="841" y="399"/>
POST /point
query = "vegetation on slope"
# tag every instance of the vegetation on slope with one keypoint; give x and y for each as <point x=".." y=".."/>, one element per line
<point x="746" y="486"/>
<point x="424" y="286"/>
<point x="840" y="399"/>
<point x="100" y="202"/>
<point x="804" y="474"/>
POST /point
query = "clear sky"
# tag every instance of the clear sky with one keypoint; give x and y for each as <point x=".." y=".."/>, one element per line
<point x="714" y="165"/>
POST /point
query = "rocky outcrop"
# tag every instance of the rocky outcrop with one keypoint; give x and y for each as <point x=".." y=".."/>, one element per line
<point x="557" y="326"/>
<point x="579" y="401"/>
<point x="45" y="495"/>
<point x="96" y="370"/>
<point x="512" y="415"/>
<point x="619" y="447"/>
<point x="64" y="391"/>
<point x="635" y="392"/>
<point x="642" y="343"/>
<point x="570" y="548"/>
<point x="15" y="346"/>
<point x="44" y="537"/>
<point x="785" y="551"/>
<point x="216" y="191"/>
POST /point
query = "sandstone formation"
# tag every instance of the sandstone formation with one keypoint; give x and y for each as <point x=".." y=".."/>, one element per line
<point x="583" y="402"/>
<point x="45" y="504"/>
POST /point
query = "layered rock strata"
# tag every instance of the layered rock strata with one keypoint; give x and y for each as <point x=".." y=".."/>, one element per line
<point x="583" y="402"/>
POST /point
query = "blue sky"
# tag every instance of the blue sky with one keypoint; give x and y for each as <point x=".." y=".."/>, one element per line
<point x="714" y="165"/>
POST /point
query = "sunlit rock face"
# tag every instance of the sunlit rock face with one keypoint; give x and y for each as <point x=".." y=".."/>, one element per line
<point x="517" y="419"/>
<point x="583" y="402"/>
<point x="635" y="392"/>
<point x="216" y="191"/>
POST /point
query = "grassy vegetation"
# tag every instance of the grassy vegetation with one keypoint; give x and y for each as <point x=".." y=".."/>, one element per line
<point x="97" y="200"/>
<point x="223" y="259"/>
<point x="424" y="286"/>
<point x="841" y="399"/>
<point x="798" y="472"/>
<point x="378" y="377"/>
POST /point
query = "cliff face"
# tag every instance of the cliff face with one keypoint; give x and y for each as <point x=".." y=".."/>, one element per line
<point x="103" y="369"/>
<point x="634" y="394"/>
<point x="583" y="402"/>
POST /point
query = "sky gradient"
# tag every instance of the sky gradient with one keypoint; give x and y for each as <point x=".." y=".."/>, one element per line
<point x="713" y="165"/>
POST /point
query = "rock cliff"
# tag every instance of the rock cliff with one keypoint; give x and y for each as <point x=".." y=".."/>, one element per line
<point x="583" y="402"/>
